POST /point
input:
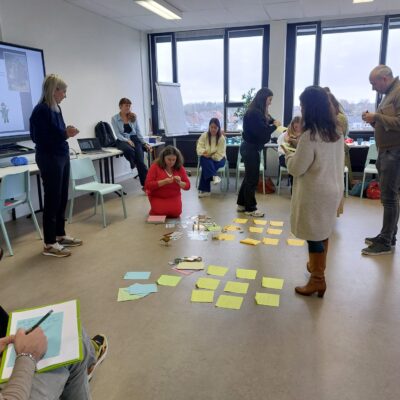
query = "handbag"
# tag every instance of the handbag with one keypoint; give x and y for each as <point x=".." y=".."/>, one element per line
<point x="269" y="186"/>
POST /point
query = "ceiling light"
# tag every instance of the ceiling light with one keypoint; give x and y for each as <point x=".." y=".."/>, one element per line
<point x="161" y="8"/>
<point x="362" y="1"/>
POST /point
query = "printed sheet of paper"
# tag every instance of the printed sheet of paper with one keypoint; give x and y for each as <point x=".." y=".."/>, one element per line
<point x="276" y="223"/>
<point x="217" y="270"/>
<point x="124" y="295"/>
<point x="255" y="229"/>
<point x="242" y="273"/>
<point x="260" y="222"/>
<point x="195" y="265"/>
<point x="272" y="283"/>
<point x="137" y="275"/>
<point x="267" y="299"/>
<point x="224" y="236"/>
<point x="202" y="296"/>
<point x="207" y="283"/>
<point x="271" y="241"/>
<point x="271" y="231"/>
<point x="236" y="287"/>
<point x="231" y="302"/>
<point x="295" y="242"/>
<point x="240" y="220"/>
<point x="250" y="241"/>
<point x="169" y="280"/>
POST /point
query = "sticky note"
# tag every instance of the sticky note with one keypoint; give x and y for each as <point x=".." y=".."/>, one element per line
<point x="138" y="288"/>
<point x="232" y="228"/>
<point x="197" y="265"/>
<point x="169" y="280"/>
<point x="202" y="296"/>
<point x="207" y="283"/>
<point x="255" y="229"/>
<point x="124" y="295"/>
<point x="272" y="283"/>
<point x="276" y="223"/>
<point x="240" y="220"/>
<point x="272" y="231"/>
<point x="232" y="302"/>
<point x="250" y="241"/>
<point x="225" y="236"/>
<point x="236" y="287"/>
<point x="216" y="270"/>
<point x="260" y="222"/>
<point x="271" y="241"/>
<point x="137" y="275"/>
<point x="246" y="273"/>
<point x="295" y="242"/>
<point x="267" y="299"/>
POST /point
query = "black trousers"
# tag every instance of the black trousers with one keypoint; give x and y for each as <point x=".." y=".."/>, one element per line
<point x="135" y="156"/>
<point x="247" y="193"/>
<point x="54" y="170"/>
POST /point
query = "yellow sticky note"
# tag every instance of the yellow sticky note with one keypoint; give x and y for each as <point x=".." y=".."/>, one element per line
<point x="197" y="265"/>
<point x="232" y="228"/>
<point x="246" y="273"/>
<point x="236" y="287"/>
<point x="124" y="295"/>
<point x="250" y="241"/>
<point x="255" y="229"/>
<point x="260" y="222"/>
<point x="216" y="270"/>
<point x="207" y="283"/>
<point x="232" y="302"/>
<point x="272" y="231"/>
<point x="225" y="236"/>
<point x="240" y="221"/>
<point x="168" y="280"/>
<point x="272" y="283"/>
<point x="295" y="242"/>
<point x="267" y="299"/>
<point x="270" y="241"/>
<point x="202" y="296"/>
<point x="276" y="223"/>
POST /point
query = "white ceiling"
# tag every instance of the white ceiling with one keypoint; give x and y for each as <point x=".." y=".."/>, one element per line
<point x="201" y="14"/>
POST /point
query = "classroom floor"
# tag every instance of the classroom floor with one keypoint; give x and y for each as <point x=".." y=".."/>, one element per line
<point x="344" y="346"/>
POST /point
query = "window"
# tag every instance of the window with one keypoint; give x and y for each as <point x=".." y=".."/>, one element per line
<point x="393" y="54"/>
<point x="164" y="59"/>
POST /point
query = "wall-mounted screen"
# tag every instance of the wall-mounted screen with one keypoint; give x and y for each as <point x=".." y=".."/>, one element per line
<point x="21" y="77"/>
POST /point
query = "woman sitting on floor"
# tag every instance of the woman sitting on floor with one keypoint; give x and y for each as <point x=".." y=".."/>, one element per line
<point x="165" y="179"/>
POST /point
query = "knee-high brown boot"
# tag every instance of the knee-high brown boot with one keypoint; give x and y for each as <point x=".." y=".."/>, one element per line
<point x="326" y="243"/>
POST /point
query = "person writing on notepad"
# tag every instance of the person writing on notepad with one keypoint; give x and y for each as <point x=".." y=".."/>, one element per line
<point x="165" y="179"/>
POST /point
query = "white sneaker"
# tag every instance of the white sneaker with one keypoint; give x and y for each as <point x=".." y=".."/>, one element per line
<point x="216" y="179"/>
<point x="56" y="250"/>
<point x="255" y="213"/>
<point x="204" y="194"/>
<point x="241" y="208"/>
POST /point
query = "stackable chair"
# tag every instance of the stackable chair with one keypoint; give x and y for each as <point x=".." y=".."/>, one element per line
<point x="82" y="168"/>
<point x="223" y="173"/>
<point x="370" y="168"/>
<point x="282" y="171"/>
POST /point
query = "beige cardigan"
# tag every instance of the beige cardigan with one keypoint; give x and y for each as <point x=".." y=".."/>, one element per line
<point x="217" y="151"/>
<point x="317" y="168"/>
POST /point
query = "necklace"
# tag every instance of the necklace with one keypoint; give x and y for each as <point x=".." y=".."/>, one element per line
<point x="169" y="175"/>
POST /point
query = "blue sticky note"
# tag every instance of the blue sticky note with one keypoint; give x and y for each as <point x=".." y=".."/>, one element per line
<point x="137" y="275"/>
<point x="138" y="288"/>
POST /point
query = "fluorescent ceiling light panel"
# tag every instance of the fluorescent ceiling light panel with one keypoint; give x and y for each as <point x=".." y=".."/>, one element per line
<point x="161" y="8"/>
<point x="362" y="1"/>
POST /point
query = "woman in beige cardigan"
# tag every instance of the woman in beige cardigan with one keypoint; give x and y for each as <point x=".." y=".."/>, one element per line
<point x="317" y="168"/>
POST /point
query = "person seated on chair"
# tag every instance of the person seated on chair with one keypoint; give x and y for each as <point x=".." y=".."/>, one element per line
<point x="211" y="148"/>
<point x="129" y="138"/>
<point x="165" y="179"/>
<point x="290" y="137"/>
<point x="70" y="382"/>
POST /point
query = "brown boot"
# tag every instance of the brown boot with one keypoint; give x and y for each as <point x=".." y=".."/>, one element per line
<point x="326" y="243"/>
<point x="316" y="282"/>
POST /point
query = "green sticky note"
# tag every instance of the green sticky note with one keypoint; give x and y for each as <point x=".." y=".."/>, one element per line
<point x="246" y="273"/>
<point x="272" y="283"/>
<point x="168" y="280"/>
<point x="124" y="295"/>
<point x="232" y="302"/>
<point x="267" y="299"/>
<point x="236" y="287"/>
<point x="207" y="283"/>
<point x="216" y="270"/>
<point x="202" y="296"/>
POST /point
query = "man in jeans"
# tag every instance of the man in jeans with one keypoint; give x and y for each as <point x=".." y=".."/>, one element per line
<point x="386" y="122"/>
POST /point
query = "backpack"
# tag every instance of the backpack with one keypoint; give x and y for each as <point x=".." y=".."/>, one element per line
<point x="104" y="133"/>
<point x="373" y="190"/>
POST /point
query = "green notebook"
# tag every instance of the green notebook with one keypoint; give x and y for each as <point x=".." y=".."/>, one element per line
<point x="62" y="329"/>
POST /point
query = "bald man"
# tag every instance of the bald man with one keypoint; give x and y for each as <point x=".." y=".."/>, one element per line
<point x="386" y="122"/>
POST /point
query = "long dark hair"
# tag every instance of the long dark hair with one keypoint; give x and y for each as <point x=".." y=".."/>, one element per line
<point x="170" y="151"/>
<point x="214" y="121"/>
<point x="259" y="102"/>
<point x="318" y="115"/>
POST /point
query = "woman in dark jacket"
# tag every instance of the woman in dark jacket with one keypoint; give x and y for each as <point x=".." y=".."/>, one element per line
<point x="258" y="126"/>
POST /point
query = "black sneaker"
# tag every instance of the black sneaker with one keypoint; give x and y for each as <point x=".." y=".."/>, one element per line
<point x="378" y="239"/>
<point x="377" y="249"/>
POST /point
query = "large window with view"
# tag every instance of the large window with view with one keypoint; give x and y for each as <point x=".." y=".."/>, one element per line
<point x="393" y="48"/>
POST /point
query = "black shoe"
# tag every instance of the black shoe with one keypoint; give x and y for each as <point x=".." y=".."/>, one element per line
<point x="377" y="249"/>
<point x="378" y="239"/>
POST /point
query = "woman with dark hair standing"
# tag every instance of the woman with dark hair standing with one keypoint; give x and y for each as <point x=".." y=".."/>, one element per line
<point x="258" y="126"/>
<point x="211" y="148"/>
<point x="317" y="168"/>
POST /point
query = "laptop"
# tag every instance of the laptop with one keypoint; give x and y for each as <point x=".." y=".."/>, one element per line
<point x="90" y="146"/>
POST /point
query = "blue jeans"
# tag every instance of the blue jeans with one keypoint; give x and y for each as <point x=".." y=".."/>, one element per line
<point x="388" y="165"/>
<point x="209" y="168"/>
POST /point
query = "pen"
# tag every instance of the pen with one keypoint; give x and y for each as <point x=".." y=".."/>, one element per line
<point x="39" y="322"/>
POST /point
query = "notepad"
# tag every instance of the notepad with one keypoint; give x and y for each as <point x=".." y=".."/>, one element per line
<point x="271" y="241"/>
<point x="231" y="302"/>
<point x="267" y="299"/>
<point x="137" y="275"/>
<point x="250" y="241"/>
<point x="156" y="219"/>
<point x="202" y="296"/>
<point x="124" y="295"/>
<point x="207" y="283"/>
<point x="255" y="229"/>
<point x="295" y="242"/>
<point x="62" y="329"/>
<point x="272" y="231"/>
<point x="240" y="221"/>
<point x="236" y="287"/>
<point x="246" y="273"/>
<point x="217" y="270"/>
<point x="272" y="283"/>
<point x="195" y="265"/>
<point x="168" y="280"/>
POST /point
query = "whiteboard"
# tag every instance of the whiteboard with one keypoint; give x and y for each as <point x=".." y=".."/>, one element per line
<point x="172" y="112"/>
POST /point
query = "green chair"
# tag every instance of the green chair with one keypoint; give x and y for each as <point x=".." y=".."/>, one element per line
<point x="82" y="168"/>
<point x="223" y="172"/>
<point x="370" y="167"/>
<point x="14" y="191"/>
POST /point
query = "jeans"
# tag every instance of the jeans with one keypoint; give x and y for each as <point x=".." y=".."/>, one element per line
<point x="315" y="246"/>
<point x="388" y="166"/>
<point x="209" y="168"/>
